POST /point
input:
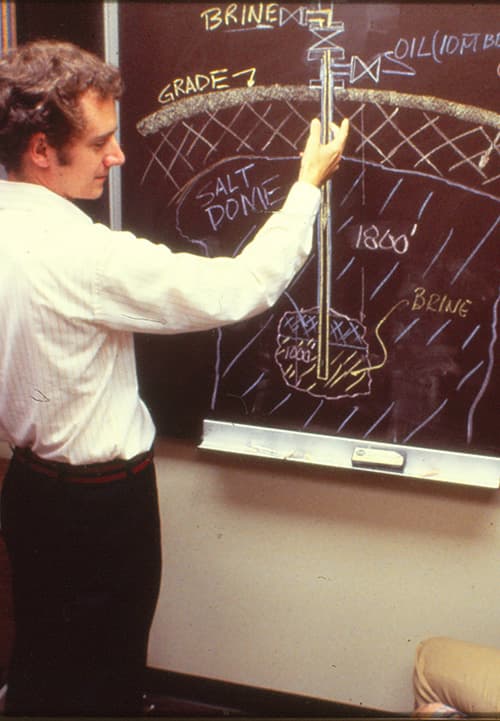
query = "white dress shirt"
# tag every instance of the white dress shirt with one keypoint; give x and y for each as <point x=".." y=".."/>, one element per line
<point x="73" y="292"/>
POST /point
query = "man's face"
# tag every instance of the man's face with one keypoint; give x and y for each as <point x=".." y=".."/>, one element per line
<point x="81" y="170"/>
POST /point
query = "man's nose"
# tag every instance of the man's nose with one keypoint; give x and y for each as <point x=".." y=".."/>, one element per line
<point x="115" y="156"/>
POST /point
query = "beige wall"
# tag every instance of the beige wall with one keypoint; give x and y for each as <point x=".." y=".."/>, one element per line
<point x="317" y="581"/>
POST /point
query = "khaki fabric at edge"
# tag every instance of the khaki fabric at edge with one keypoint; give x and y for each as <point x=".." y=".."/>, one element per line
<point x="463" y="675"/>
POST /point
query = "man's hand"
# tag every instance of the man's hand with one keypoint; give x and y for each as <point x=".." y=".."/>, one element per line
<point x="319" y="162"/>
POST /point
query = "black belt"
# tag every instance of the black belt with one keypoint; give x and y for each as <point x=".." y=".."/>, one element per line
<point x="90" y="473"/>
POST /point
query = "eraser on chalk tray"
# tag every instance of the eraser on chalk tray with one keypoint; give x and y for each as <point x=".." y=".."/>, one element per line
<point x="366" y="457"/>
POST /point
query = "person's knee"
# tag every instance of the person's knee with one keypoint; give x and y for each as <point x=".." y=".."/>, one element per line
<point x="463" y="675"/>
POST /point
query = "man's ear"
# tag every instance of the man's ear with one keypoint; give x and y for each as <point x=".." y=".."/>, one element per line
<point x="39" y="150"/>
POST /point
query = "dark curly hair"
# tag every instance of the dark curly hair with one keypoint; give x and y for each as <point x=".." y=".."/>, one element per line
<point x="41" y="83"/>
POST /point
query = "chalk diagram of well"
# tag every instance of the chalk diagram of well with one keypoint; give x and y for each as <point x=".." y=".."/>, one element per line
<point x="322" y="352"/>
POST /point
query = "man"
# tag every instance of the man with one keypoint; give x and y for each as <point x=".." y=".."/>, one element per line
<point x="79" y="507"/>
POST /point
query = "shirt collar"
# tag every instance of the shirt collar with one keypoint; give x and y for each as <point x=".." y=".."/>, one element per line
<point x="32" y="197"/>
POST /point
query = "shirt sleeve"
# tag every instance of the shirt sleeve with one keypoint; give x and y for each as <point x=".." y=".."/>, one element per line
<point x="144" y="287"/>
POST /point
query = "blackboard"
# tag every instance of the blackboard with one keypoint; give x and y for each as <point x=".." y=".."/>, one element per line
<point x="217" y="107"/>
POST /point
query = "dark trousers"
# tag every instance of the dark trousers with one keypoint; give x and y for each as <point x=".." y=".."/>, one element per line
<point x="85" y="571"/>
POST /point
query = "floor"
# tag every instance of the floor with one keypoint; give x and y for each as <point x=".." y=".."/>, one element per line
<point x="169" y="706"/>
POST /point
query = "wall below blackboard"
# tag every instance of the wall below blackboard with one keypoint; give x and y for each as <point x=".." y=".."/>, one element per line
<point x="317" y="581"/>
